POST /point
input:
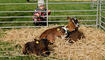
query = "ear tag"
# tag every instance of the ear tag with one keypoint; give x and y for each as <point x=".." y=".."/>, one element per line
<point x="58" y="29"/>
<point x="37" y="42"/>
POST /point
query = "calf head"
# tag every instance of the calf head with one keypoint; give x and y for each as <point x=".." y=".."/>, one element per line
<point x="73" y="24"/>
<point x="39" y="47"/>
<point x="76" y="22"/>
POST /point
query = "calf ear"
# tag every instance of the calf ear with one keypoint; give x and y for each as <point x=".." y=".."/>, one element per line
<point x="25" y="49"/>
<point x="44" y="39"/>
<point x="69" y="18"/>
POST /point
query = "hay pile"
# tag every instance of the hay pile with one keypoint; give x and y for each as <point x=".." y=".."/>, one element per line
<point x="90" y="48"/>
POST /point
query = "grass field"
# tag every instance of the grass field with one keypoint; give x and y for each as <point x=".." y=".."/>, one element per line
<point x="51" y="7"/>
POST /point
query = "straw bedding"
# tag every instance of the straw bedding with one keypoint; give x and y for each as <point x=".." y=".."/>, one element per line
<point x="90" y="48"/>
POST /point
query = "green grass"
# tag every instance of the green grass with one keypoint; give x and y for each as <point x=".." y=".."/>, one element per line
<point x="26" y="58"/>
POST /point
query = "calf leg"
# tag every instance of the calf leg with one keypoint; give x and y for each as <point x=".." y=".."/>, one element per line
<point x="51" y="38"/>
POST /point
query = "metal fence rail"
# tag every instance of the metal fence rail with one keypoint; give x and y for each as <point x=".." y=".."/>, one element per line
<point x="51" y="11"/>
<point x="43" y="16"/>
<point x="45" y="3"/>
<point x="40" y="21"/>
<point x="93" y="25"/>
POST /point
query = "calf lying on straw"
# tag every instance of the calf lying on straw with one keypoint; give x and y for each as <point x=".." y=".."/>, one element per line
<point x="68" y="31"/>
<point x="39" y="47"/>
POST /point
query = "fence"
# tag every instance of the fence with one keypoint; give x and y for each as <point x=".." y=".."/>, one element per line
<point x="60" y="10"/>
<point x="102" y="14"/>
<point x="93" y="15"/>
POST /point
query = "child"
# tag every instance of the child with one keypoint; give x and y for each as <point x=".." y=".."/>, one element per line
<point x="40" y="15"/>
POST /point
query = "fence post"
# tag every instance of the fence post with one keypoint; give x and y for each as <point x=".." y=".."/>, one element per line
<point x="47" y="11"/>
<point x="100" y="12"/>
<point x="97" y="14"/>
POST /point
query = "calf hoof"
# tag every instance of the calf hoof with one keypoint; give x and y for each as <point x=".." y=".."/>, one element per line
<point x="70" y="41"/>
<point x="46" y="54"/>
